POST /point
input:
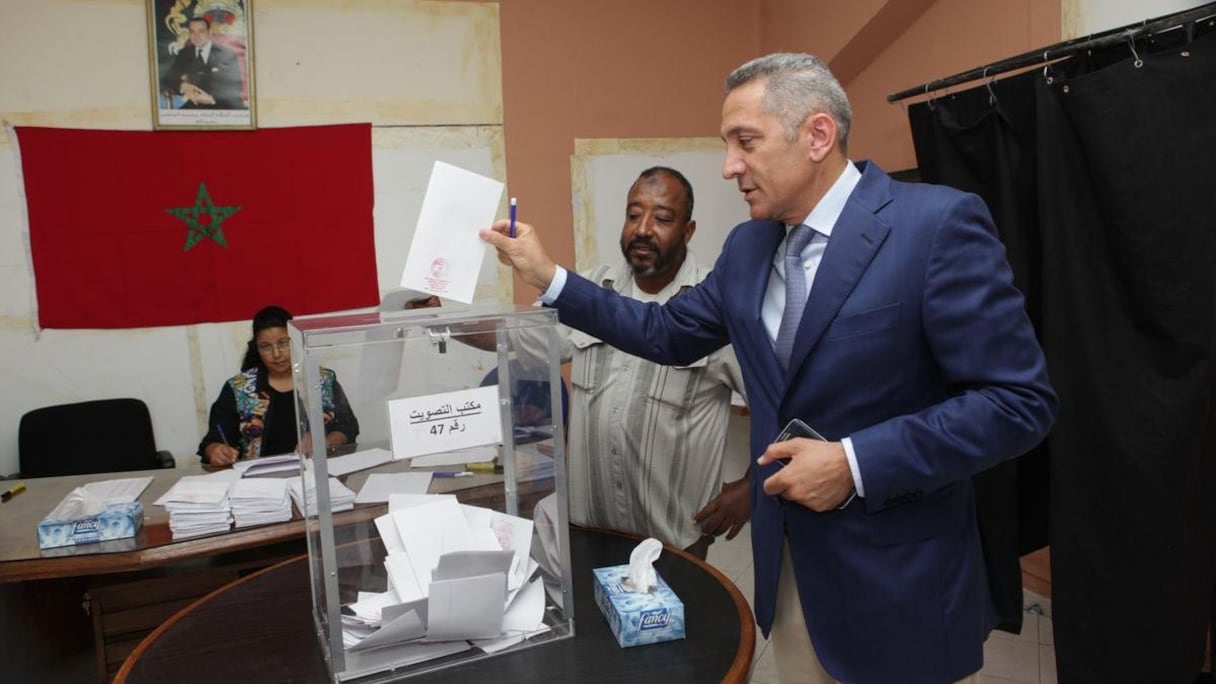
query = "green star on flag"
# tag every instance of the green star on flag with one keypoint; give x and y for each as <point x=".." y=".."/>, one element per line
<point x="204" y="219"/>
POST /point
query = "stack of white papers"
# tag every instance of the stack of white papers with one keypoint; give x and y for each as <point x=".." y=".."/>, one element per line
<point x="284" y="465"/>
<point x="198" y="505"/>
<point x="259" y="501"/>
<point x="340" y="497"/>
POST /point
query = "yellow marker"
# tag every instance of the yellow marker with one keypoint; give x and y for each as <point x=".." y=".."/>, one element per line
<point x="12" y="491"/>
<point x="483" y="467"/>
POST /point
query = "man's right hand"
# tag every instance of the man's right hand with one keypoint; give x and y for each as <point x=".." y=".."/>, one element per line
<point x="523" y="252"/>
<point x="220" y="455"/>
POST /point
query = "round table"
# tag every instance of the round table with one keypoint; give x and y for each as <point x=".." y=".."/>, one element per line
<point x="260" y="628"/>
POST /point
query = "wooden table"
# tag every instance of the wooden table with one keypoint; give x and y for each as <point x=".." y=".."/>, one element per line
<point x="129" y="586"/>
<point x="260" y="629"/>
<point x="21" y="559"/>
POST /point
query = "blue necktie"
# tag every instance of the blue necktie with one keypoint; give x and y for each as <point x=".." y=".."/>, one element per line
<point x="795" y="292"/>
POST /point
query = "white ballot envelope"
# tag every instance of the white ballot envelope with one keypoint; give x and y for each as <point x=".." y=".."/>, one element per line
<point x="446" y="253"/>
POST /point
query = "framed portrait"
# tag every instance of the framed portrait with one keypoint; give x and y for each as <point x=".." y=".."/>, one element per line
<point x="201" y="56"/>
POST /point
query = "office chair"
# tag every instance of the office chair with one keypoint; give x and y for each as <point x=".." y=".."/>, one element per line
<point x="102" y="436"/>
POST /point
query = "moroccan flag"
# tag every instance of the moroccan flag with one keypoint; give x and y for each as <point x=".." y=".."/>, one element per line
<point x="135" y="229"/>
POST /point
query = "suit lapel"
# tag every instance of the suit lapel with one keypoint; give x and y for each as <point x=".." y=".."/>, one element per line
<point x="762" y="241"/>
<point x="855" y="240"/>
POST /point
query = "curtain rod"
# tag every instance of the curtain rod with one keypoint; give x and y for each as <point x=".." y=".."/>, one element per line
<point x="1064" y="49"/>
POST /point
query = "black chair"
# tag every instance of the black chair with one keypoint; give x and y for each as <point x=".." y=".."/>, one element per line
<point x="103" y="436"/>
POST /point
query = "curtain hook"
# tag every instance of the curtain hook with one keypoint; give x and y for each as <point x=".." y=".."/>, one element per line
<point x="988" y="85"/>
<point x="1131" y="43"/>
<point x="1047" y="70"/>
<point x="930" y="100"/>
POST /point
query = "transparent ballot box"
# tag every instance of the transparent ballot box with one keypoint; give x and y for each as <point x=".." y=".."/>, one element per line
<point x="439" y="535"/>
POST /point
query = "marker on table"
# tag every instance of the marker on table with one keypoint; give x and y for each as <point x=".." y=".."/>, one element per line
<point x="512" y="217"/>
<point x="484" y="467"/>
<point x="443" y="473"/>
<point x="17" y="489"/>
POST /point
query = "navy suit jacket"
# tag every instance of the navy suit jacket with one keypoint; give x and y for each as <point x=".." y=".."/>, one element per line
<point x="914" y="343"/>
<point x="220" y="77"/>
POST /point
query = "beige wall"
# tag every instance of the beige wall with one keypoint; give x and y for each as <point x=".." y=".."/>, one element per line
<point x="569" y="69"/>
<point x="425" y="74"/>
<point x="606" y="69"/>
<point x="642" y="69"/>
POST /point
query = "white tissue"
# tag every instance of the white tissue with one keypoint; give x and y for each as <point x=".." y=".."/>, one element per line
<point x="78" y="505"/>
<point x="641" y="565"/>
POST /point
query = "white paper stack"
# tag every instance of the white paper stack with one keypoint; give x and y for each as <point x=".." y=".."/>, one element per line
<point x="259" y="501"/>
<point x="198" y="505"/>
<point x="340" y="497"/>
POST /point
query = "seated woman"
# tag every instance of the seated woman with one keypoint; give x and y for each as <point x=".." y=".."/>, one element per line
<point x="255" y="414"/>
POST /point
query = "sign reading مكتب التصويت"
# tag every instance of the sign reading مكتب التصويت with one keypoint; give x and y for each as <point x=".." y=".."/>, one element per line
<point x="446" y="421"/>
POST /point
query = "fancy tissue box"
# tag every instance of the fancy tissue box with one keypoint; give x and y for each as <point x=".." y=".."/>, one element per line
<point x="117" y="521"/>
<point x="638" y="619"/>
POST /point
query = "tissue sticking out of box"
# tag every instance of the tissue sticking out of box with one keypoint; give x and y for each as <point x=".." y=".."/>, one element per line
<point x="639" y="606"/>
<point x="641" y="565"/>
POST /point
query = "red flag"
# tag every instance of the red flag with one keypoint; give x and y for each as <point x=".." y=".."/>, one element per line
<point x="135" y="229"/>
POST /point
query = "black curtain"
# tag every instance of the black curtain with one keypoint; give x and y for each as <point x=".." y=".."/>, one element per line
<point x="1111" y="228"/>
<point x="982" y="141"/>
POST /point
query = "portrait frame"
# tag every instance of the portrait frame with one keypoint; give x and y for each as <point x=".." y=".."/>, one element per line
<point x="200" y="55"/>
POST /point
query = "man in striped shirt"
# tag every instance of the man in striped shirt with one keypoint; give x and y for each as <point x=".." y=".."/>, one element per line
<point x="646" y="442"/>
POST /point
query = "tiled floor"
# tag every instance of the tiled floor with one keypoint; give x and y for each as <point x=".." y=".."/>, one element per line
<point x="1026" y="658"/>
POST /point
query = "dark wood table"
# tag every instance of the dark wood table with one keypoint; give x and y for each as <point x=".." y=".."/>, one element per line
<point x="260" y="629"/>
<point x="153" y="545"/>
<point x="128" y="586"/>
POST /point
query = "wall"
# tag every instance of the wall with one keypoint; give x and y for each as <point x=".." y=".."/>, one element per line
<point x="877" y="47"/>
<point x="426" y="74"/>
<point x="607" y="69"/>
<point x="1083" y="17"/>
<point x="592" y="69"/>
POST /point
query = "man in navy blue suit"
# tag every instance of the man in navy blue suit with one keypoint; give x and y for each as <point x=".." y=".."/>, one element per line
<point x="205" y="74"/>
<point x="893" y="329"/>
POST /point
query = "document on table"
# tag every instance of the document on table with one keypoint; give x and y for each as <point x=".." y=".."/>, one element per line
<point x="478" y="454"/>
<point x="380" y="485"/>
<point x="360" y="460"/>
<point x="446" y="252"/>
<point x="198" y="491"/>
<point x="257" y="467"/>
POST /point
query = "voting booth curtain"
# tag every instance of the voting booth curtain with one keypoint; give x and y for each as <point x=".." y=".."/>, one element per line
<point x="1099" y="172"/>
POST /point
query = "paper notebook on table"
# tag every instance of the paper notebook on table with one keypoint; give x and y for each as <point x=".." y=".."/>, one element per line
<point x="280" y="466"/>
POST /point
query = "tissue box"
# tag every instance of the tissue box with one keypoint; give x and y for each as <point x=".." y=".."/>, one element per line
<point x="114" y="522"/>
<point x="638" y="619"/>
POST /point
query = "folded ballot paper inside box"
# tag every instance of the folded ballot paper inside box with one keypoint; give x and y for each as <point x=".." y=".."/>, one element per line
<point x="96" y="512"/>
<point x="638" y="618"/>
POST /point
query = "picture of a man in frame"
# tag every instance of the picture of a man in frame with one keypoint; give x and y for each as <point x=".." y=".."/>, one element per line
<point x="202" y="63"/>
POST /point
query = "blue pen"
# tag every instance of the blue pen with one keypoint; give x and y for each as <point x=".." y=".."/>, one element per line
<point x="220" y="429"/>
<point x="442" y="473"/>
<point x="512" y="217"/>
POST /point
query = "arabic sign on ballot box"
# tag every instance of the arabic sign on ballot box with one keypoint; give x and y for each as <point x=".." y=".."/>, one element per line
<point x="445" y="422"/>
